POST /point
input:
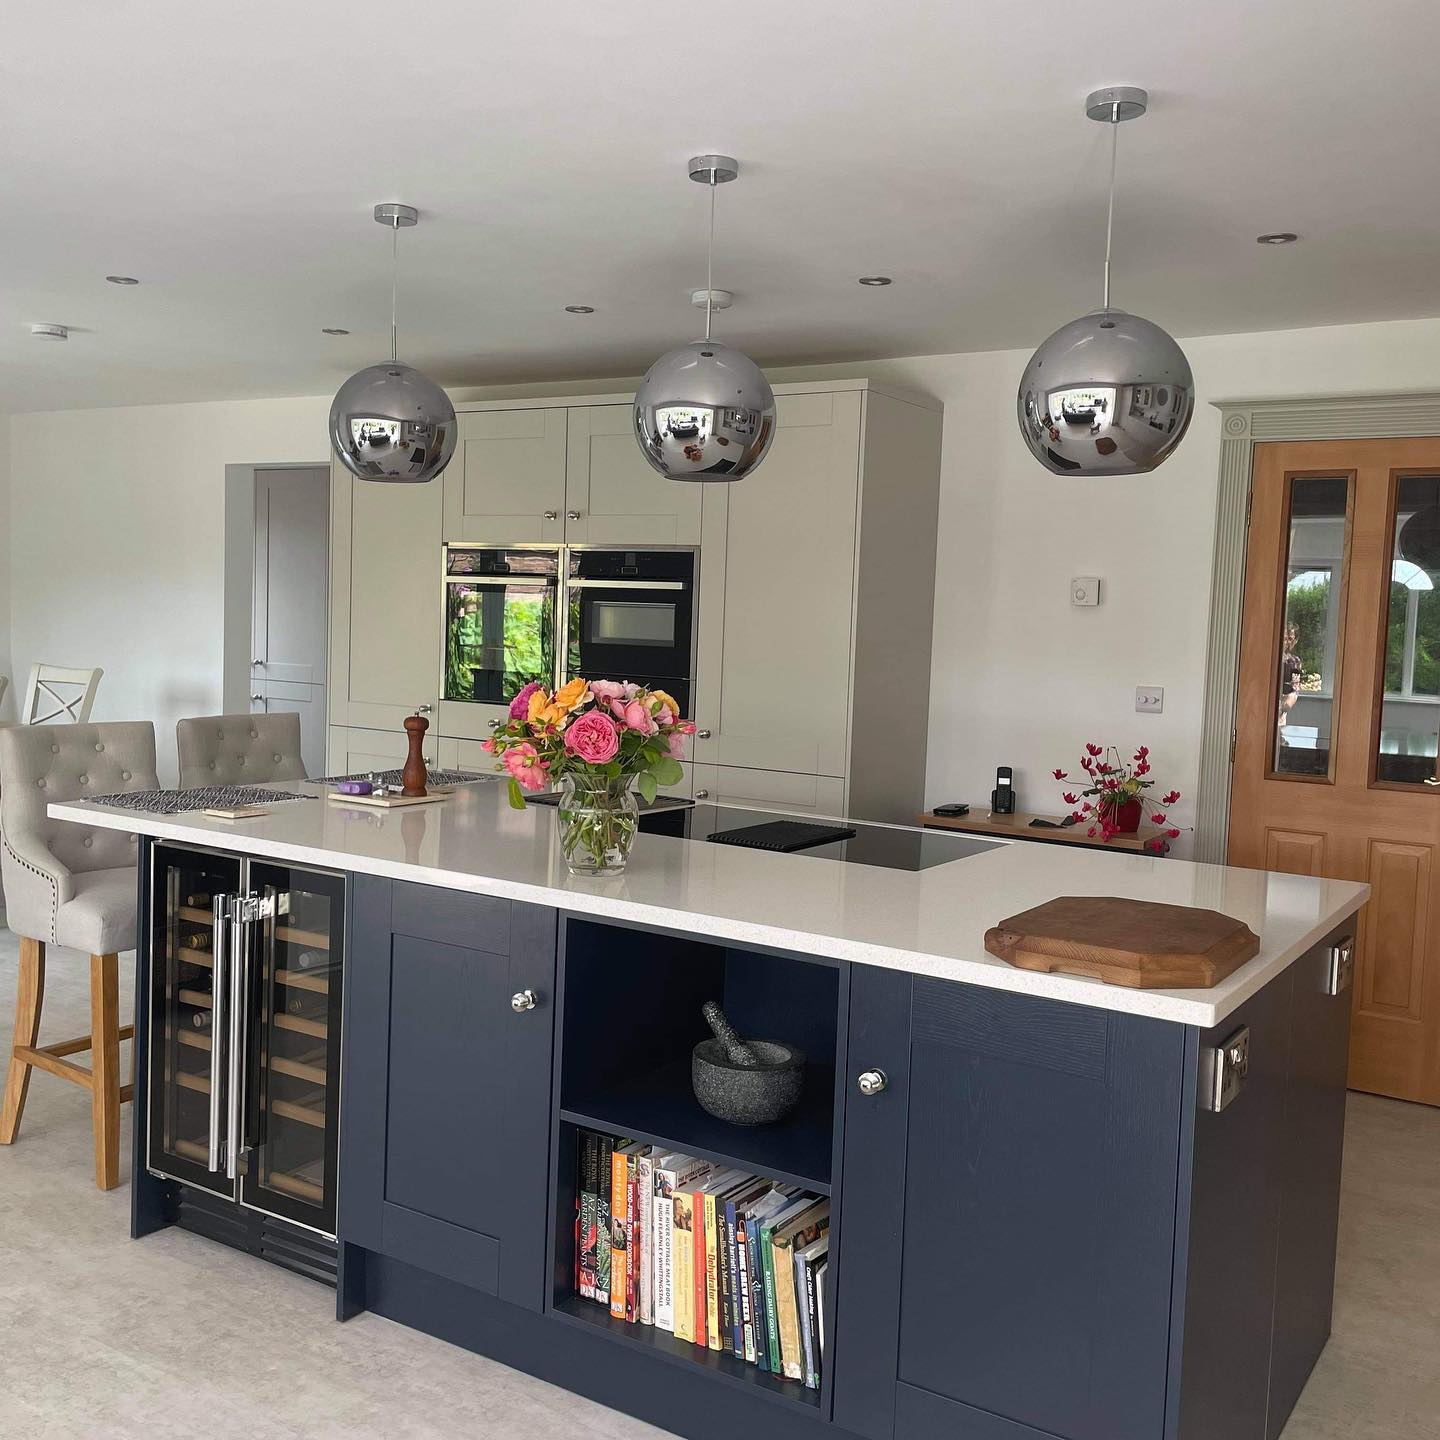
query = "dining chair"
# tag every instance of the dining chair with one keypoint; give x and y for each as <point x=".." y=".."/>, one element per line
<point x="239" y="749"/>
<point x="4" y="686"/>
<point x="71" y="886"/>
<point x="60" y="692"/>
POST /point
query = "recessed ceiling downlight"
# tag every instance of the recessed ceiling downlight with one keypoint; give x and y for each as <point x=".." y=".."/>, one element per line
<point x="1277" y="237"/>
<point x="50" y="332"/>
<point x="332" y="330"/>
<point x="122" y="279"/>
<point x="876" y="280"/>
<point x="579" y="309"/>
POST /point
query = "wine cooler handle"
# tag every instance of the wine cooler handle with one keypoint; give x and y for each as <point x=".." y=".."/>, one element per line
<point x="218" y="1011"/>
<point x="235" y="1083"/>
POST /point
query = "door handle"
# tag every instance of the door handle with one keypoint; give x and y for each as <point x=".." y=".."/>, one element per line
<point x="552" y="514"/>
<point x="218" y="1012"/>
<point x="572" y="514"/>
<point x="523" y="1000"/>
<point x="239" y="969"/>
<point x="702" y="734"/>
<point x="257" y="697"/>
<point x="872" y="1082"/>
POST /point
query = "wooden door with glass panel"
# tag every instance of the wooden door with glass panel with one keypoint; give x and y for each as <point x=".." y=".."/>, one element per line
<point x="1337" y="742"/>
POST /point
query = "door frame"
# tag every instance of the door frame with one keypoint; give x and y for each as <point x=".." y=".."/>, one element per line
<point x="1243" y="425"/>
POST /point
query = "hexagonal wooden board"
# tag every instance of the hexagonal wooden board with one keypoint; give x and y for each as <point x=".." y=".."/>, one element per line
<point x="1138" y="943"/>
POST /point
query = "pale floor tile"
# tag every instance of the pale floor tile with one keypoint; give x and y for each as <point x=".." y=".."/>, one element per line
<point x="178" y="1337"/>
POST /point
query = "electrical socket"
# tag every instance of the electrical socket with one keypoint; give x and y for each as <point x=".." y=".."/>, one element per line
<point x="1149" y="699"/>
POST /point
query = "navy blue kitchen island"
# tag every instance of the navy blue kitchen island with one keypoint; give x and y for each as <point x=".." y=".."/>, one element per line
<point x="1056" y="1209"/>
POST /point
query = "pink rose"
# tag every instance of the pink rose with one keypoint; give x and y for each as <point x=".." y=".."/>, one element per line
<point x="677" y="745"/>
<point x="526" y="767"/>
<point x="488" y="746"/>
<point x="592" y="737"/>
<point x="634" y="716"/>
<point x="607" y="690"/>
<point x="520" y="705"/>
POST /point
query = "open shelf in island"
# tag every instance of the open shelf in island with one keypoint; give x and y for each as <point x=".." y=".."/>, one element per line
<point x="593" y="1316"/>
<point x="660" y="1107"/>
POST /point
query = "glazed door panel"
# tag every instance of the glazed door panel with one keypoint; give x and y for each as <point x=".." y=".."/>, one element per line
<point x="1338" y="720"/>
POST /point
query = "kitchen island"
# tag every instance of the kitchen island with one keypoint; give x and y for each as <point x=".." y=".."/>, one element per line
<point x="1039" y="1223"/>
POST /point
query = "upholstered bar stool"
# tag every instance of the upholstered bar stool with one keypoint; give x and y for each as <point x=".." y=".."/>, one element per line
<point x="68" y="885"/>
<point x="239" y="749"/>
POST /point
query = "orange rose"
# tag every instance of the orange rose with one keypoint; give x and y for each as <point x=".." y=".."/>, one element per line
<point x="573" y="696"/>
<point x="667" y="700"/>
<point x="544" y="711"/>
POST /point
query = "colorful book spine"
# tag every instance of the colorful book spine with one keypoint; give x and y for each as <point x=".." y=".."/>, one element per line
<point x="619" y="1230"/>
<point x="809" y="1319"/>
<point x="672" y="1173"/>
<point x="683" y="1263"/>
<point x="712" y="1274"/>
<point x="787" y="1315"/>
<point x="604" y="1155"/>
<point x="735" y="1340"/>
<point x="697" y="1271"/>
<point x="757" y="1294"/>
<point x="746" y="1349"/>
<point x="632" y="1236"/>
<point x="644" y="1247"/>
<point x="772" y="1322"/>
<point x="589" y="1197"/>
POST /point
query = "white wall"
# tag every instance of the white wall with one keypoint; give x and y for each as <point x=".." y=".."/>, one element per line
<point x="116" y="544"/>
<point x="116" y="552"/>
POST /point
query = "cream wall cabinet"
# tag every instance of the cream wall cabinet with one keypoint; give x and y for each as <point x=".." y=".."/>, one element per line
<point x="612" y="496"/>
<point x="385" y="619"/>
<point x="506" y="482"/>
<point x="354" y="751"/>
<point x="770" y="789"/>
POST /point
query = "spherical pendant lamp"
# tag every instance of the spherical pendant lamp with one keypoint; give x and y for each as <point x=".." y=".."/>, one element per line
<point x="1110" y="393"/>
<point x="1419" y="539"/>
<point x="705" y="411"/>
<point x="389" y="422"/>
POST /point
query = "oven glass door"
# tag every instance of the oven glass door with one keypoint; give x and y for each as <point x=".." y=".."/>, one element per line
<point x="500" y="627"/>
<point x="630" y="630"/>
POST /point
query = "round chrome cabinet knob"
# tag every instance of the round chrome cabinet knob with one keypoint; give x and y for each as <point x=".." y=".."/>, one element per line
<point x="572" y="514"/>
<point x="522" y="1001"/>
<point x="702" y="734"/>
<point x="702" y="794"/>
<point x="552" y="514"/>
<point x="872" y="1082"/>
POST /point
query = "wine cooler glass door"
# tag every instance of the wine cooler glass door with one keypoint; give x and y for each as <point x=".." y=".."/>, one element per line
<point x="293" y="1066"/>
<point x="187" y="1065"/>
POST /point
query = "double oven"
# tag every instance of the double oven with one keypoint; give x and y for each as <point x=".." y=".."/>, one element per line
<point x="552" y="612"/>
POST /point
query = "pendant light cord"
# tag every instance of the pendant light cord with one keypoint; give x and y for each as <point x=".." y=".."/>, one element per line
<point x="710" y="259"/>
<point x="394" y="281"/>
<point x="1110" y="217"/>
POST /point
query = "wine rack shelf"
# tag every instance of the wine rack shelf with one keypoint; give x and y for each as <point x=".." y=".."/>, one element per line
<point x="298" y="1069"/>
<point x="301" y="1026"/>
<point x="306" y="1114"/>
<point x="192" y="1082"/>
<point x="302" y="980"/>
<point x="195" y="915"/>
<point x="294" y="1185"/>
<point x="309" y="939"/>
<point x="196" y="957"/>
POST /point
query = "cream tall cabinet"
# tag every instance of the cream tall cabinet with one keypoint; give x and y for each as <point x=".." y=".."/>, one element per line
<point x="816" y="589"/>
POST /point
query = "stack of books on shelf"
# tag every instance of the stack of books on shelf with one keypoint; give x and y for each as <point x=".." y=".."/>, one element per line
<point x="724" y="1259"/>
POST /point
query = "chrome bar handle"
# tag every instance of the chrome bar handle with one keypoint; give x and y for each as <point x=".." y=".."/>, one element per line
<point x="218" y="1011"/>
<point x="234" y="1094"/>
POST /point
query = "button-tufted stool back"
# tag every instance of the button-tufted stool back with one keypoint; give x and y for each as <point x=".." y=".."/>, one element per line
<point x="44" y="763"/>
<point x="239" y="749"/>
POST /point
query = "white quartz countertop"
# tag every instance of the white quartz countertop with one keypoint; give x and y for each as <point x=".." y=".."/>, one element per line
<point x="930" y="922"/>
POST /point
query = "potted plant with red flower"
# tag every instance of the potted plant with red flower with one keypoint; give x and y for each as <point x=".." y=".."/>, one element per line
<point x="1114" y="800"/>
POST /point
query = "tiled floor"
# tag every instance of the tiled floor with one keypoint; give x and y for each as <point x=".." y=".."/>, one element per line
<point x="177" y="1337"/>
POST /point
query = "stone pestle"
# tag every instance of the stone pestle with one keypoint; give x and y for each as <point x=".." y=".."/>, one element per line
<point x="738" y="1052"/>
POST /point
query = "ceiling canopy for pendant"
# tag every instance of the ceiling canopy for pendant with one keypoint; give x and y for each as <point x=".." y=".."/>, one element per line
<point x="1109" y="393"/>
<point x="389" y="422"/>
<point x="705" y="411"/>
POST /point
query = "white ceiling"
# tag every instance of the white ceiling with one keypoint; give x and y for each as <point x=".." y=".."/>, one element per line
<point x="229" y="156"/>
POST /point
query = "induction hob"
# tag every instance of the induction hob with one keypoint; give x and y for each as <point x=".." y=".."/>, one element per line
<point x="891" y="847"/>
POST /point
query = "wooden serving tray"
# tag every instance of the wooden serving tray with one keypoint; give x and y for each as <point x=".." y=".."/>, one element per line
<point x="1138" y="943"/>
<point x="389" y="802"/>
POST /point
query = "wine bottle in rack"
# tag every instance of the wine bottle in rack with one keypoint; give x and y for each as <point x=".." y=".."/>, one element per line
<point x="311" y="959"/>
<point x="200" y="1018"/>
<point x="198" y="899"/>
<point x="198" y="940"/>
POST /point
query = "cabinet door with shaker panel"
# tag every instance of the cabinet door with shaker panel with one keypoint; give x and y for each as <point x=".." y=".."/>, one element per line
<point x="384" y="601"/>
<point x="612" y="496"/>
<point x="448" y="1044"/>
<point x="776" y="596"/>
<point x="506" y="483"/>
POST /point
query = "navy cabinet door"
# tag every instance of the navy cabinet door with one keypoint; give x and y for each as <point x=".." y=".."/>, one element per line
<point x="446" y="1103"/>
<point x="1015" y="1185"/>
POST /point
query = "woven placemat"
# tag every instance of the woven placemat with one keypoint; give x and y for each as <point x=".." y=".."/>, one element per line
<point x="174" y="802"/>
<point x="394" y="777"/>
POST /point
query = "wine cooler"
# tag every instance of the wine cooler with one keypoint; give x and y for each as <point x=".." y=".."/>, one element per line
<point x="246" y="975"/>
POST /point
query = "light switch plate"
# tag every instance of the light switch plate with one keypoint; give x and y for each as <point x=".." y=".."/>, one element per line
<point x="1149" y="699"/>
<point x="1085" y="590"/>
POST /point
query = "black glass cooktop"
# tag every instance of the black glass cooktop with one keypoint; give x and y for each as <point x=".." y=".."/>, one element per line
<point x="890" y="846"/>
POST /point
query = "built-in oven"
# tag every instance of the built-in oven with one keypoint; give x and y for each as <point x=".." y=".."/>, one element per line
<point x="630" y="615"/>
<point x="503" y="621"/>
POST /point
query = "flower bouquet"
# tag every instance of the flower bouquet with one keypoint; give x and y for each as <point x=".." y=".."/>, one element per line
<point x="1114" y="799"/>
<point x="596" y="739"/>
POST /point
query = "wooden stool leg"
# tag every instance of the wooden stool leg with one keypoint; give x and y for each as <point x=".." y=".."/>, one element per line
<point x="29" y="997"/>
<point x="105" y="1067"/>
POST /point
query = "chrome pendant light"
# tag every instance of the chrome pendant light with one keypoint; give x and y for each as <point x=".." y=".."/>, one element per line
<point x="1419" y="539"/>
<point x="705" y="411"/>
<point x="1110" y="393"/>
<point x="389" y="422"/>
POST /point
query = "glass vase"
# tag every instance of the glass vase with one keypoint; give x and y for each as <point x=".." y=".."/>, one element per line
<point x="598" y="820"/>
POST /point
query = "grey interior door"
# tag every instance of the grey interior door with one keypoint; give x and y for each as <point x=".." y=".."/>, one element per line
<point x="292" y="525"/>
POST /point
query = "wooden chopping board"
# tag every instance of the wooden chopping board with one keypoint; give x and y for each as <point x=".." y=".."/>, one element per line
<point x="1125" y="942"/>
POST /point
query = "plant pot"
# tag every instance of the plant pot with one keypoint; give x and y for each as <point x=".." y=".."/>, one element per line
<point x="1126" y="818"/>
<point x="598" y="818"/>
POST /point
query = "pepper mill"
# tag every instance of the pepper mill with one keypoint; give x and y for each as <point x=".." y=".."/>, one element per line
<point x="414" y="775"/>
